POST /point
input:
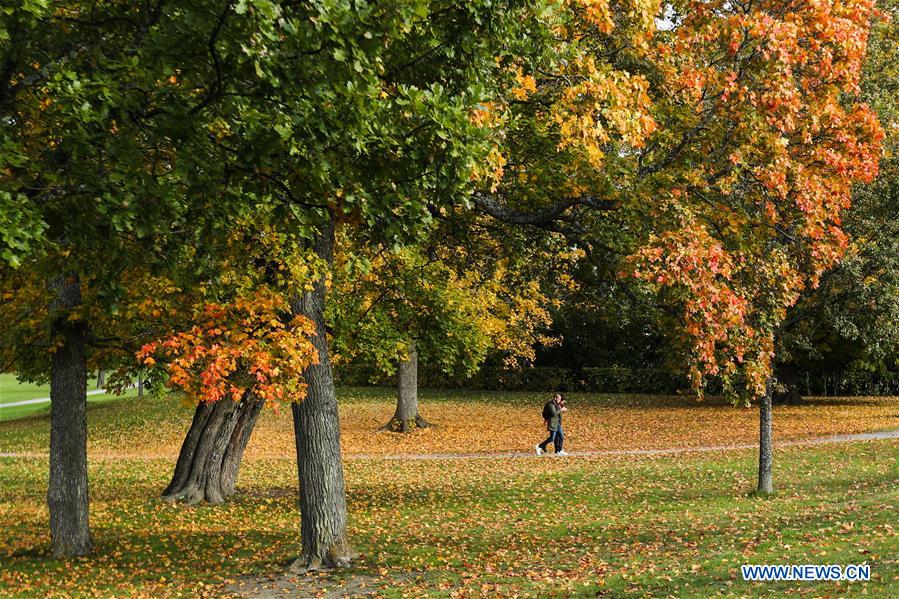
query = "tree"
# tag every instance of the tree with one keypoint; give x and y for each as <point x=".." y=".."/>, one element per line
<point x="756" y="214"/>
<point x="376" y="130"/>
<point x="338" y="115"/>
<point x="231" y="360"/>
<point x="89" y="188"/>
<point x="729" y="145"/>
<point x="467" y="290"/>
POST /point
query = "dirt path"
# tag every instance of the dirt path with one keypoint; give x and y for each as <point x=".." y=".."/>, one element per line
<point x="873" y="436"/>
<point x="893" y="434"/>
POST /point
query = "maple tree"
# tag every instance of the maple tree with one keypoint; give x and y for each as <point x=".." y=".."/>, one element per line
<point x="231" y="361"/>
<point x="756" y="211"/>
<point x="730" y="140"/>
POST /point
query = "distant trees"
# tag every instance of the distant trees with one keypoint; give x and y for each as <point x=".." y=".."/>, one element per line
<point x="462" y="293"/>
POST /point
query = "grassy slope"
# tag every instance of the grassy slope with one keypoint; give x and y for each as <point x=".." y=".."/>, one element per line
<point x="675" y="525"/>
<point x="12" y="391"/>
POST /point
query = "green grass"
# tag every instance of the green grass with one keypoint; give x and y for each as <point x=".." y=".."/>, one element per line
<point x="11" y="391"/>
<point x="646" y="527"/>
<point x="677" y="526"/>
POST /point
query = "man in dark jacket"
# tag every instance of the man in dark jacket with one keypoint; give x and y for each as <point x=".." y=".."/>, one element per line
<point x="552" y="414"/>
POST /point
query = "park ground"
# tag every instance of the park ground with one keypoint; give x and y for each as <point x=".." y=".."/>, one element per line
<point x="18" y="400"/>
<point x="601" y="525"/>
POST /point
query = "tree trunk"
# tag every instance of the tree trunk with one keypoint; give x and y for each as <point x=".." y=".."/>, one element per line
<point x="406" y="416"/>
<point x="210" y="455"/>
<point x="323" y="518"/>
<point x="67" y="492"/>
<point x="101" y="378"/>
<point x="766" y="449"/>
<point x="246" y="421"/>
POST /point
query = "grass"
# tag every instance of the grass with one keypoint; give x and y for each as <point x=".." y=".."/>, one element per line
<point x="612" y="526"/>
<point x="12" y="391"/>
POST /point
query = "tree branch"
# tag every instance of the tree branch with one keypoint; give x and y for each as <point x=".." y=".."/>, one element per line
<point x="543" y="218"/>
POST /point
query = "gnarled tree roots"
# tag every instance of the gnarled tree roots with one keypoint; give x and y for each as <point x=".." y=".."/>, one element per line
<point x="337" y="557"/>
<point x="400" y="425"/>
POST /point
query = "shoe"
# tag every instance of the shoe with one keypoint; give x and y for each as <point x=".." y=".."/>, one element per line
<point x="563" y="452"/>
<point x="539" y="450"/>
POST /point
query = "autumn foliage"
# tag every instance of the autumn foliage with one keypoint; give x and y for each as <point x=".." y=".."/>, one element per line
<point x="765" y="95"/>
<point x="729" y="135"/>
<point x="251" y="344"/>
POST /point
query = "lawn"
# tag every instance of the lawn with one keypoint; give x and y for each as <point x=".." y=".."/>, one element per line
<point x="475" y="421"/>
<point x="12" y="391"/>
<point x="609" y="526"/>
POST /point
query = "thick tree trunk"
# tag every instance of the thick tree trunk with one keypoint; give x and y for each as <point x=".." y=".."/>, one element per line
<point x="406" y="416"/>
<point x="246" y="421"/>
<point x="210" y="456"/>
<point x="67" y="492"/>
<point x="766" y="448"/>
<point x="323" y="522"/>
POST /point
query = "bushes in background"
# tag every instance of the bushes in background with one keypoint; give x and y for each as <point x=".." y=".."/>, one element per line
<point x="607" y="380"/>
<point x="610" y="380"/>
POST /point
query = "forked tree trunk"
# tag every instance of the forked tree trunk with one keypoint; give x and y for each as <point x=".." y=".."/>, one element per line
<point x="406" y="416"/>
<point x="323" y="518"/>
<point x="210" y="456"/>
<point x="766" y="449"/>
<point x="67" y="492"/>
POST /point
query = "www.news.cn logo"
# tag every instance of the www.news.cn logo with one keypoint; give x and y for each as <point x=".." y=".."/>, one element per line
<point x="807" y="572"/>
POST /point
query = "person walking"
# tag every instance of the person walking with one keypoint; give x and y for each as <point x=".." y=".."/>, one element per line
<point x="552" y="415"/>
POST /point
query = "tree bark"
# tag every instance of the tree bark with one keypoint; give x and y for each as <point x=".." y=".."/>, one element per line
<point x="67" y="492"/>
<point x="406" y="416"/>
<point x="210" y="455"/>
<point x="246" y="421"/>
<point x="766" y="449"/>
<point x="323" y="518"/>
<point x="101" y="378"/>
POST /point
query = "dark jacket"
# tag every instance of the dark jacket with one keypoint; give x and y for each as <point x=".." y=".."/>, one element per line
<point x="555" y="416"/>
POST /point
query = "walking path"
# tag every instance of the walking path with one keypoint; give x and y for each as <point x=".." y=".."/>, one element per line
<point x="28" y="402"/>
<point x="891" y="434"/>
